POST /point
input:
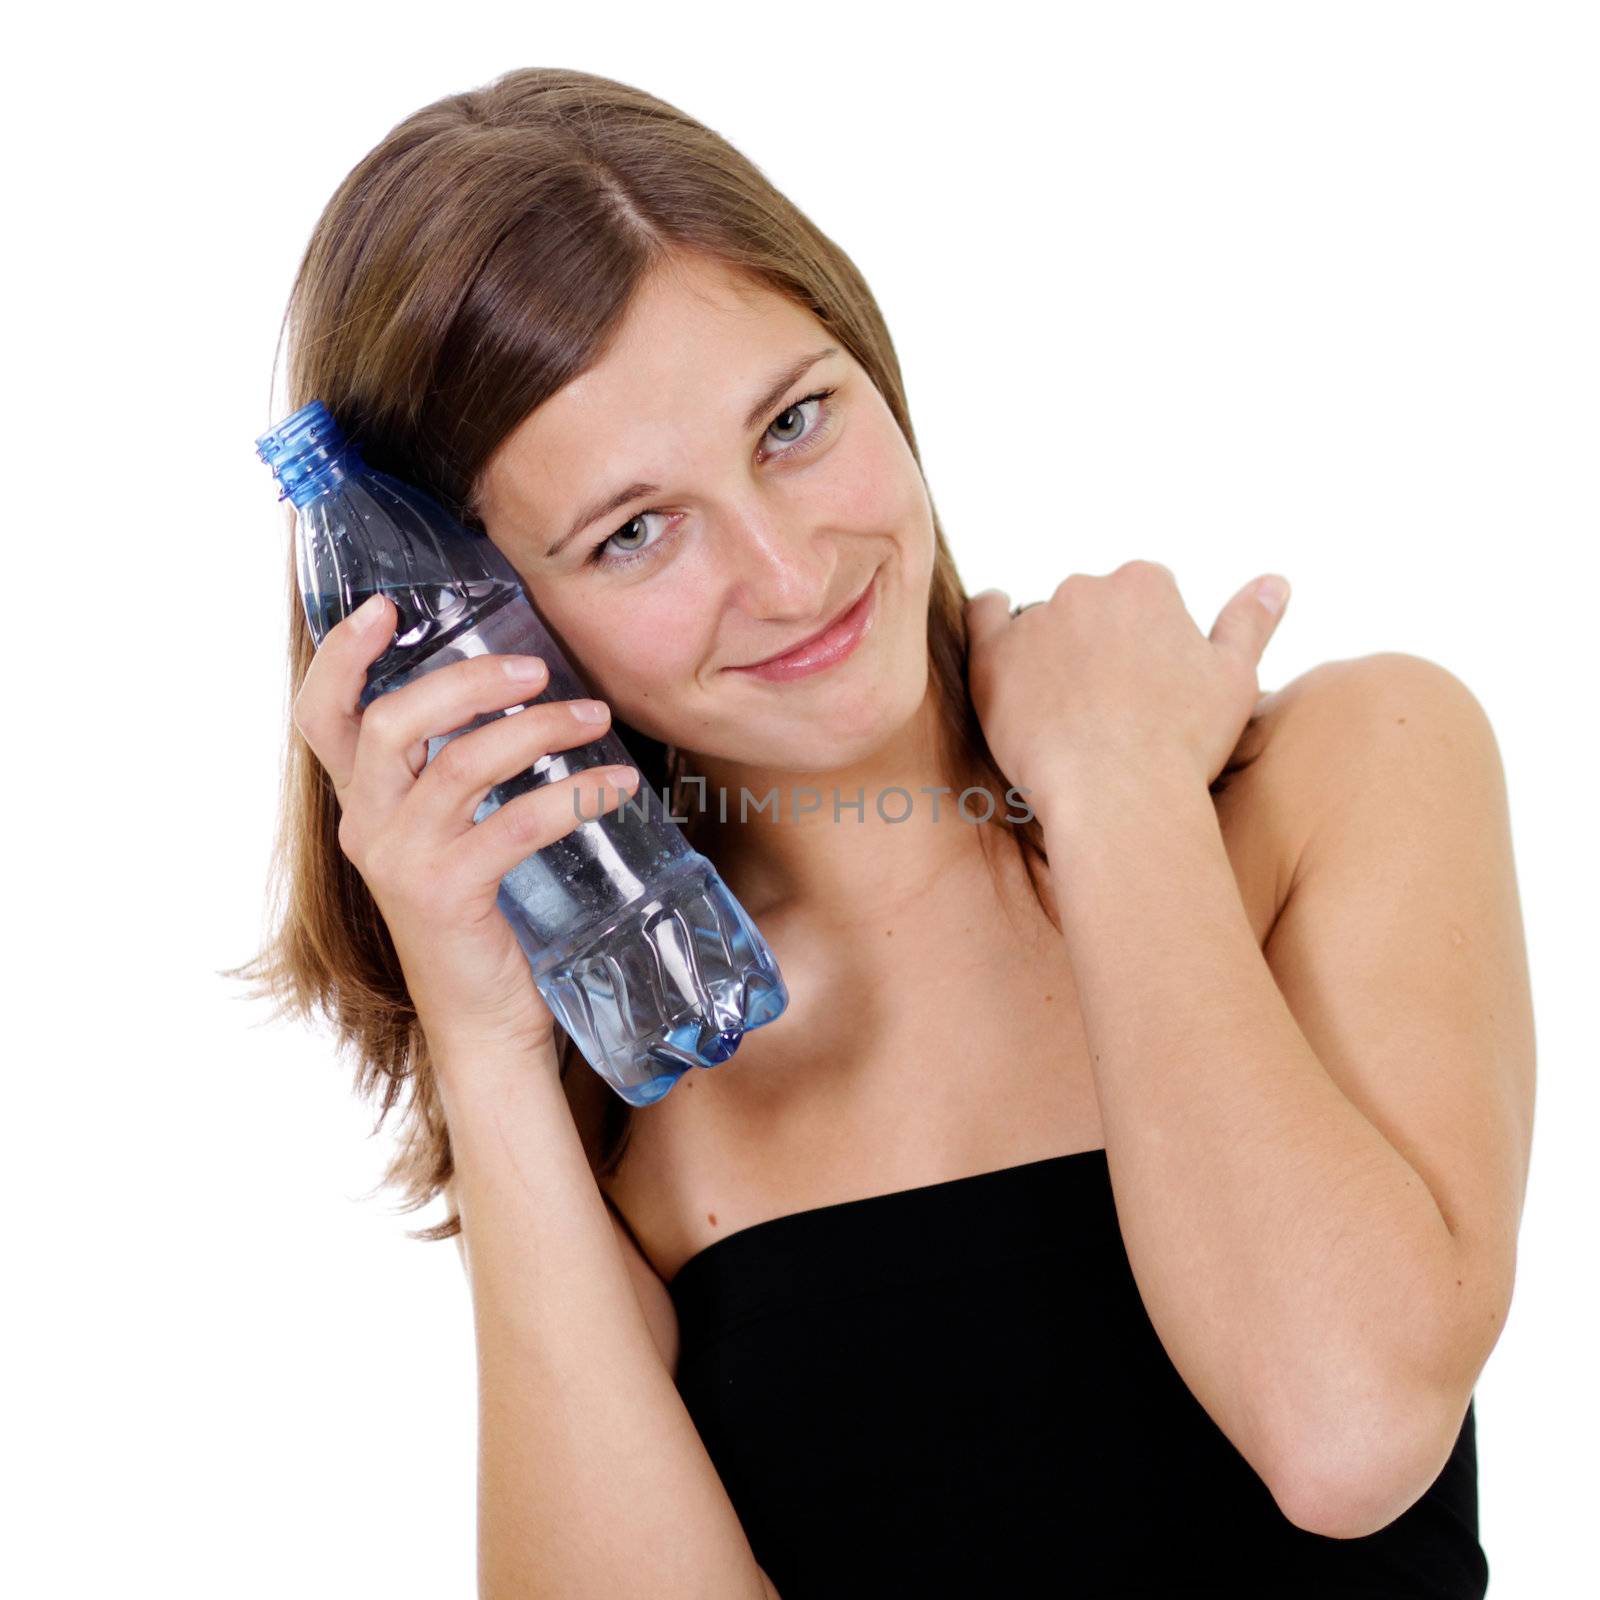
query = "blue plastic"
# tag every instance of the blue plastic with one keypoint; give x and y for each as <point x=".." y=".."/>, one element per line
<point x="637" y="946"/>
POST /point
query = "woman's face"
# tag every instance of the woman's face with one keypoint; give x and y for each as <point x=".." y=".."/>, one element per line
<point x="770" y="513"/>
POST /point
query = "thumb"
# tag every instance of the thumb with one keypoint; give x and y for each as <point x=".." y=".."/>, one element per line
<point x="1248" y="620"/>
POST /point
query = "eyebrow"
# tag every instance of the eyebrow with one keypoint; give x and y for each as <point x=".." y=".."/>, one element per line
<point x="768" y="398"/>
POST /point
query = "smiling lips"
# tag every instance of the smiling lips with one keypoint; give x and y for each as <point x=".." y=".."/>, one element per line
<point x="832" y="645"/>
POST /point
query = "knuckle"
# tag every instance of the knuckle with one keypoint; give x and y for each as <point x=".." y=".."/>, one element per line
<point x="529" y="824"/>
<point x="382" y="717"/>
<point x="1147" y="570"/>
<point x="455" y="763"/>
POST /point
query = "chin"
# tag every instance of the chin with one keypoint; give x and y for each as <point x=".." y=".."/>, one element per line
<point x="833" y="733"/>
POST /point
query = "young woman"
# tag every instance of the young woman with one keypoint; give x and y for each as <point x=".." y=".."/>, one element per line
<point x="1128" y="1198"/>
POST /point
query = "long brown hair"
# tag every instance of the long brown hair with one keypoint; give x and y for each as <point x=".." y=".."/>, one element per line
<point x="474" y="262"/>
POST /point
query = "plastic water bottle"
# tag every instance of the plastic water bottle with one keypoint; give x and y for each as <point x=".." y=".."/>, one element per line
<point x="638" y="948"/>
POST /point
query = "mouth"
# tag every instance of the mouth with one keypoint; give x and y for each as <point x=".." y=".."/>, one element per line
<point x="825" y="648"/>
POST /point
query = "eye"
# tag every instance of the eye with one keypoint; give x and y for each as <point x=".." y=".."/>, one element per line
<point x="629" y="553"/>
<point x="795" y="410"/>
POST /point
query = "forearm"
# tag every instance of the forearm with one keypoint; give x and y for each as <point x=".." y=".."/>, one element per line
<point x="1292" y="1262"/>
<point x="593" y="1480"/>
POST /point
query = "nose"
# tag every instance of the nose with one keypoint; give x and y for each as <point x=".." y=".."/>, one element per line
<point x="779" y="575"/>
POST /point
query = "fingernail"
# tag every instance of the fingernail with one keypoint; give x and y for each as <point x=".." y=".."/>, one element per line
<point x="623" y="777"/>
<point x="524" y="668"/>
<point x="1272" y="592"/>
<point x="369" y="609"/>
<point x="588" y="710"/>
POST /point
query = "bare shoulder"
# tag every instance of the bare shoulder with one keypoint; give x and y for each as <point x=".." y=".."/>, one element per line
<point x="1317" y="731"/>
<point x="1268" y="795"/>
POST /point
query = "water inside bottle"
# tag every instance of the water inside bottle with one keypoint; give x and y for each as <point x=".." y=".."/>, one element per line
<point x="637" y="946"/>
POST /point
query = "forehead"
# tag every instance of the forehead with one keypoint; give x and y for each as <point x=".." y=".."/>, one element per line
<point x="696" y="341"/>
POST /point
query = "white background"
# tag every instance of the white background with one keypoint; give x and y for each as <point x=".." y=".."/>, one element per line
<point x="1239" y="288"/>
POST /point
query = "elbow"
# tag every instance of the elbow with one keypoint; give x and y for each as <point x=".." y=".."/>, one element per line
<point x="1367" y="1447"/>
<point x="1347" y="1480"/>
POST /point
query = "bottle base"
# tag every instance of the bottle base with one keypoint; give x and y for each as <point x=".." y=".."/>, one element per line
<point x="675" y="983"/>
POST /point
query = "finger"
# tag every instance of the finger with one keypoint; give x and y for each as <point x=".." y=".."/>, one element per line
<point x="396" y="727"/>
<point x="1140" y="564"/>
<point x="447" y="795"/>
<point x="327" y="707"/>
<point x="542" y="816"/>
<point x="1247" y="622"/>
<point x="987" y="613"/>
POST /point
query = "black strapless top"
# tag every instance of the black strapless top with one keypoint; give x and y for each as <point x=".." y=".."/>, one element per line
<point x="955" y="1390"/>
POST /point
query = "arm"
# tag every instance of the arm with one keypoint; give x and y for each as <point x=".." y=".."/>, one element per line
<point x="1317" y="1151"/>
<point x="592" y="1480"/>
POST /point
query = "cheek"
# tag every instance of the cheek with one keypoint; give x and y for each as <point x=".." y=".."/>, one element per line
<point x="630" y="649"/>
<point x="876" y="487"/>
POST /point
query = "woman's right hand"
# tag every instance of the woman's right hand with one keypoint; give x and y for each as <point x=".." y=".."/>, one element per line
<point x="406" y="822"/>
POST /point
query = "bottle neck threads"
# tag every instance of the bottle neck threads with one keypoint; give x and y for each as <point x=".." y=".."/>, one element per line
<point x="308" y="453"/>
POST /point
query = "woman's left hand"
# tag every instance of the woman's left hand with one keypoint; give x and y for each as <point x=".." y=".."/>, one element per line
<point x="1111" y="672"/>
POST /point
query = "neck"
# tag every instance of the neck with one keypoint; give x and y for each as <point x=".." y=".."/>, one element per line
<point x="814" y="851"/>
